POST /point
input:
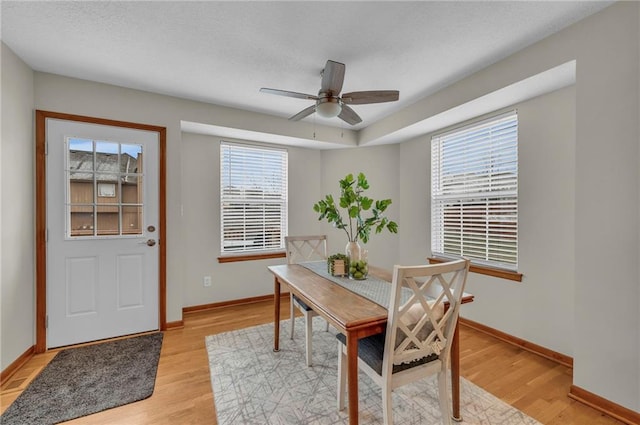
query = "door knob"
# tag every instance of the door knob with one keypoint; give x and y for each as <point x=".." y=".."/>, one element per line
<point x="150" y="242"/>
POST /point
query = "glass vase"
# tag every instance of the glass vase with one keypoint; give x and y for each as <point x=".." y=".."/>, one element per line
<point x="358" y="262"/>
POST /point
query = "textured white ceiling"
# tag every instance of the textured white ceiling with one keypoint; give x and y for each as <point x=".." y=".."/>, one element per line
<point x="223" y="52"/>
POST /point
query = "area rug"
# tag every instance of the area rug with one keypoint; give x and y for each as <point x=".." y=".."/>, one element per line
<point x="253" y="385"/>
<point x="85" y="380"/>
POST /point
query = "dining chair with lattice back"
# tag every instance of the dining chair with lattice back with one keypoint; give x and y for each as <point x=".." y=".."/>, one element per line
<point x="300" y="249"/>
<point x="423" y="312"/>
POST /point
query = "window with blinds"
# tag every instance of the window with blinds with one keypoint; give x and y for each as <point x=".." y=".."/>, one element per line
<point x="474" y="192"/>
<point x="253" y="198"/>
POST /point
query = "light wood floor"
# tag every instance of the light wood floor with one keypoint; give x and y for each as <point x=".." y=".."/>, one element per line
<point x="183" y="394"/>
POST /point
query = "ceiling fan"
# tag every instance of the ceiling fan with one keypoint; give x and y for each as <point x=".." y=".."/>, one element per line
<point x="329" y="103"/>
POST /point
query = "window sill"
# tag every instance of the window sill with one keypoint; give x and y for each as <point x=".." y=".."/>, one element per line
<point x="474" y="268"/>
<point x="251" y="257"/>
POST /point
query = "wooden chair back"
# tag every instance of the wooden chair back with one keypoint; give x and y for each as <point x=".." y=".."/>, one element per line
<point x="306" y="248"/>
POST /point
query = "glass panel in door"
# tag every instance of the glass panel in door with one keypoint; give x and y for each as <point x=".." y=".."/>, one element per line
<point x="104" y="188"/>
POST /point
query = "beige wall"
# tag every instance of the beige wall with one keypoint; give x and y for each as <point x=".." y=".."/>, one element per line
<point x="17" y="266"/>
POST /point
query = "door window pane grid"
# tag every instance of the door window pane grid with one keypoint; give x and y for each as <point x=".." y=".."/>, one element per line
<point x="104" y="188"/>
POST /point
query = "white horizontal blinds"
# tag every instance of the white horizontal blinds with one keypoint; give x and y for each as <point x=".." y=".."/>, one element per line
<point x="253" y="198"/>
<point x="474" y="192"/>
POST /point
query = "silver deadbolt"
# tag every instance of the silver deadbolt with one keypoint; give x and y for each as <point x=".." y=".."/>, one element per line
<point x="151" y="228"/>
<point x="151" y="242"/>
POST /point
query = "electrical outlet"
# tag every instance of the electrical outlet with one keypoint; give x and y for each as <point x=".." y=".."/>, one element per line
<point x="206" y="281"/>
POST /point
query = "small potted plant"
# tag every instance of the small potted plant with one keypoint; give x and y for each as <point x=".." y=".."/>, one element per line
<point x="338" y="265"/>
<point x="358" y="228"/>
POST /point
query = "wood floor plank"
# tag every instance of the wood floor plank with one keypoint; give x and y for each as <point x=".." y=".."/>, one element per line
<point x="183" y="394"/>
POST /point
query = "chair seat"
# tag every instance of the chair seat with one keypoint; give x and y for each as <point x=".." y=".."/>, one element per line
<point x="371" y="351"/>
<point x="302" y="304"/>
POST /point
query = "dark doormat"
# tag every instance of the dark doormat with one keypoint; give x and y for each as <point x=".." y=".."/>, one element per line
<point x="85" y="380"/>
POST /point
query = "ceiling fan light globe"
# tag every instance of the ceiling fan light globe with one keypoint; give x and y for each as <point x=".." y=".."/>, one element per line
<point x="329" y="109"/>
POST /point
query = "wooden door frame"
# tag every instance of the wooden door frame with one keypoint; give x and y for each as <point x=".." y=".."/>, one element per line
<point x="41" y="215"/>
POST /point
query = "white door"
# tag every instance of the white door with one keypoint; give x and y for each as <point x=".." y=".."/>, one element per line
<point x="102" y="219"/>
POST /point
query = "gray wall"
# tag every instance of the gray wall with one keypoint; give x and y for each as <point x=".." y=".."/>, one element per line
<point x="379" y="164"/>
<point x="17" y="176"/>
<point x="541" y="308"/>
<point x="605" y="341"/>
<point x="201" y="198"/>
<point x="606" y="196"/>
<point x="61" y="94"/>
<point x="578" y="154"/>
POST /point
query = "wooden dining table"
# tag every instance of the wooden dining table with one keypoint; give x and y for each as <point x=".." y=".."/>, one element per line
<point x="352" y="314"/>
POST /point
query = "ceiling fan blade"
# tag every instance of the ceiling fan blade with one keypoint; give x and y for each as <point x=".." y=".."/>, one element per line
<point x="373" y="96"/>
<point x="332" y="78"/>
<point x="304" y="113"/>
<point x="349" y="116"/>
<point x="289" y="93"/>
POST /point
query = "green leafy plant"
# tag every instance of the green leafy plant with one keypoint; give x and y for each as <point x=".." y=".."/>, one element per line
<point x="354" y="203"/>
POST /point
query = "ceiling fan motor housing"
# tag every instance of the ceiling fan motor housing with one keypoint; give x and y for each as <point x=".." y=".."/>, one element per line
<point x="328" y="106"/>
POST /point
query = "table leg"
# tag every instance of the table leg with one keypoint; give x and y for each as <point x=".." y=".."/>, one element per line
<point x="352" y="377"/>
<point x="276" y="314"/>
<point x="455" y="374"/>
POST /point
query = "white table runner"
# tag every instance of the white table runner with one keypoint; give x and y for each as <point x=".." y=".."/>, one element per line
<point x="372" y="288"/>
